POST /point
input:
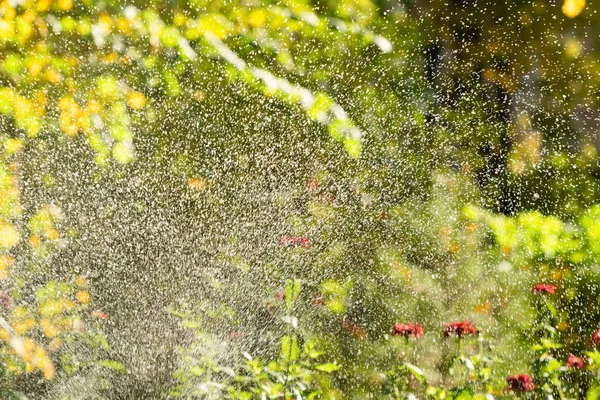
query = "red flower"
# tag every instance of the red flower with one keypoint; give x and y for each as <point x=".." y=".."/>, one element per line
<point x="295" y="241"/>
<point x="575" y="362"/>
<point x="415" y="330"/>
<point x="596" y="337"/>
<point x="520" y="383"/>
<point x="460" y="329"/>
<point x="544" y="288"/>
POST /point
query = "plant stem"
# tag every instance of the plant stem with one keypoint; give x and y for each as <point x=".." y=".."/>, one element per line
<point x="290" y="330"/>
<point x="561" y="394"/>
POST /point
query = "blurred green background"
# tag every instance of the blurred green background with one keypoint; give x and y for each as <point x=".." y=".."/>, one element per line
<point x="441" y="157"/>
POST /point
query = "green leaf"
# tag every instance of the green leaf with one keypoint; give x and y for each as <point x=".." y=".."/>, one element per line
<point x="173" y="88"/>
<point x="594" y="356"/>
<point x="122" y="152"/>
<point x="328" y="367"/>
<point x="593" y="393"/>
<point x="292" y="289"/>
<point x="117" y="366"/>
<point x="548" y="344"/>
<point x="464" y="395"/>
<point x="289" y="348"/>
<point x="353" y="147"/>
<point x="336" y="306"/>
<point x="552" y="308"/>
<point x="189" y="324"/>
<point x="310" y="350"/>
<point x="431" y="391"/>
<point x="176" y="313"/>
<point x="314" y="395"/>
<point x="417" y="372"/>
<point x="102" y="341"/>
<point x="552" y="365"/>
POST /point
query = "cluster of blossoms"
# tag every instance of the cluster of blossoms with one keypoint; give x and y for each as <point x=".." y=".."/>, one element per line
<point x="460" y="329"/>
<point x="406" y="330"/>
<point x="524" y="382"/>
<point x="575" y="362"/>
<point x="520" y="383"/>
<point x="596" y="338"/>
<point x="516" y="383"/>
<point x="544" y="288"/>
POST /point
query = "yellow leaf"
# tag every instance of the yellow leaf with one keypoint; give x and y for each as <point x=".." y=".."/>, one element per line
<point x="35" y="66"/>
<point x="257" y="17"/>
<point x="6" y="261"/>
<point x="48" y="369"/>
<point x="83" y="297"/>
<point x="179" y="19"/>
<point x="68" y="125"/>
<point x="8" y="11"/>
<point x="53" y="76"/>
<point x="572" y="8"/>
<point x="64" y="5"/>
<point x="20" y="327"/>
<point x="9" y="236"/>
<point x="136" y="100"/>
<point x="50" y="308"/>
<point x="50" y="330"/>
<point x="93" y="107"/>
<point x="196" y="183"/>
<point x="34" y="241"/>
<point x="43" y="5"/>
<point x="81" y="282"/>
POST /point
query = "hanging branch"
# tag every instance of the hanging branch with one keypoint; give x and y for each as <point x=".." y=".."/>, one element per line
<point x="319" y="106"/>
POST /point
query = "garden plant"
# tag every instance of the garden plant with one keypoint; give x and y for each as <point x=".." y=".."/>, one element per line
<point x="299" y="199"/>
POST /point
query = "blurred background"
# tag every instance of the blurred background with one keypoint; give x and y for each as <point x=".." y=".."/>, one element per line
<point x="440" y="156"/>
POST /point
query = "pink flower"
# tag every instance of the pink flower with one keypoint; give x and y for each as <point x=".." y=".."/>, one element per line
<point x="575" y="362"/>
<point x="460" y="329"/>
<point x="544" y="288"/>
<point x="520" y="383"/>
<point x="414" y="330"/>
<point x="295" y="241"/>
<point x="100" y="314"/>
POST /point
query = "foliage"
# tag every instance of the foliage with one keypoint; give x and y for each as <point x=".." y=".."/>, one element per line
<point x="297" y="373"/>
<point x="440" y="156"/>
<point x="255" y="378"/>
